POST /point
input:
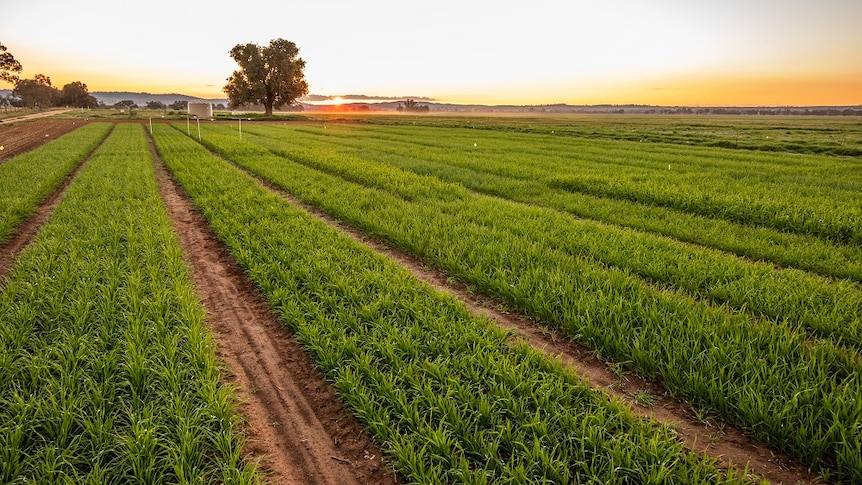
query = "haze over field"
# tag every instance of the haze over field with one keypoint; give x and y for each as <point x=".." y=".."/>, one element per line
<point x="667" y="52"/>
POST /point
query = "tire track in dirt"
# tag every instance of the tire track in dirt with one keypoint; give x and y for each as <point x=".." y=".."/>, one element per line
<point x="723" y="442"/>
<point x="28" y="229"/>
<point x="296" y="423"/>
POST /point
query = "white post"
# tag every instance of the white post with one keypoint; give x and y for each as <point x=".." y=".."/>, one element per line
<point x="151" y="127"/>
<point x="199" y="130"/>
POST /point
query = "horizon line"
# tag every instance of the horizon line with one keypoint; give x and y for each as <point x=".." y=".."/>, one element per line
<point x="362" y="99"/>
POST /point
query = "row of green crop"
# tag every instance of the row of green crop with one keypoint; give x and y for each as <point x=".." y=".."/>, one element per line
<point x="805" y="172"/>
<point x="107" y="370"/>
<point x="790" y="250"/>
<point x="819" y="199"/>
<point x="829" y="309"/>
<point x="440" y="389"/>
<point x="29" y="178"/>
<point x="835" y="135"/>
<point x="796" y="393"/>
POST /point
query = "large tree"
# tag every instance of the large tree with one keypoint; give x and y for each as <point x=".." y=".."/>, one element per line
<point x="76" y="94"/>
<point x="272" y="75"/>
<point x="37" y="92"/>
<point x="8" y="66"/>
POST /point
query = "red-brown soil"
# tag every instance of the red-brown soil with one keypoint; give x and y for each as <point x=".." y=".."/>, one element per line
<point x="23" y="136"/>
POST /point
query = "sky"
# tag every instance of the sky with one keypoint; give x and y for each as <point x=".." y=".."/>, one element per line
<point x="658" y="52"/>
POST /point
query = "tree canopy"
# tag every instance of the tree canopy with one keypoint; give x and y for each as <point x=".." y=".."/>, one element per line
<point x="37" y="92"/>
<point x="125" y="104"/>
<point x="76" y="94"/>
<point x="412" y="106"/>
<point x="271" y="75"/>
<point x="8" y="66"/>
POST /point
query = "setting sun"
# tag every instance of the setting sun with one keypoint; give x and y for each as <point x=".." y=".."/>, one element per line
<point x="331" y="101"/>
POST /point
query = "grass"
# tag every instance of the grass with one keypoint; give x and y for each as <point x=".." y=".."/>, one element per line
<point x="107" y="371"/>
<point x="26" y="180"/>
<point x="449" y="399"/>
<point x="826" y="308"/>
<point x="516" y="168"/>
<point x="772" y="378"/>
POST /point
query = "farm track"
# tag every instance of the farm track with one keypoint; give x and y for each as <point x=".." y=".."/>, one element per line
<point x="297" y="424"/>
<point x="28" y="229"/>
<point x="17" y="138"/>
<point x="723" y="442"/>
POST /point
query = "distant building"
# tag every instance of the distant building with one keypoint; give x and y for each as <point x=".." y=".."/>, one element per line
<point x="203" y="109"/>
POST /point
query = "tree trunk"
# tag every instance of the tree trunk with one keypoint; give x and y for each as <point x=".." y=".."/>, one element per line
<point x="268" y="101"/>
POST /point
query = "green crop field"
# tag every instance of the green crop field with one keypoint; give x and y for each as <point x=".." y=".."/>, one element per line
<point x="106" y="372"/>
<point x="720" y="257"/>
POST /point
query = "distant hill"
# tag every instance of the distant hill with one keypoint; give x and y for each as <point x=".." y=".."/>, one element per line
<point x="113" y="97"/>
<point x="599" y="109"/>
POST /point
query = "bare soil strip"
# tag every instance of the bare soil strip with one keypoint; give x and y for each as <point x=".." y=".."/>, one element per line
<point x="33" y="116"/>
<point x="30" y="227"/>
<point x="296" y="423"/>
<point x="18" y="138"/>
<point x="705" y="435"/>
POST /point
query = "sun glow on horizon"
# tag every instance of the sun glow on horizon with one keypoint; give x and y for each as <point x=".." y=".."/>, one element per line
<point x="330" y="101"/>
<point x="668" y="52"/>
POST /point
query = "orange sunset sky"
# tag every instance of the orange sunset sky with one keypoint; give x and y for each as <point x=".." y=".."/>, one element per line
<point x="665" y="52"/>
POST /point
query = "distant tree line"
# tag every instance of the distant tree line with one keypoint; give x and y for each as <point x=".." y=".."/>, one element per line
<point x="825" y="111"/>
<point x="412" y="106"/>
<point x="685" y="110"/>
<point x="178" y="105"/>
<point x="39" y="92"/>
